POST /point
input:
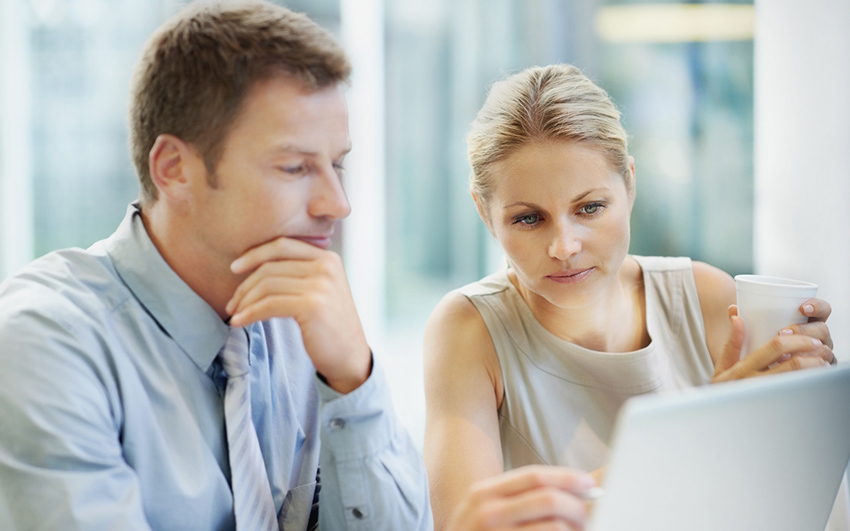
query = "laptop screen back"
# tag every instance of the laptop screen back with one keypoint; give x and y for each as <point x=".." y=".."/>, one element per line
<point x="767" y="453"/>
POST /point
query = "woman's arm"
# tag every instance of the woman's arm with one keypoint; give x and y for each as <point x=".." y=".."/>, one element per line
<point x="463" y="452"/>
<point x="463" y="390"/>
<point x="716" y="290"/>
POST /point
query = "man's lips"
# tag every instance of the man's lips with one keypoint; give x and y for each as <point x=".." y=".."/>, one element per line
<point x="323" y="242"/>
<point x="571" y="276"/>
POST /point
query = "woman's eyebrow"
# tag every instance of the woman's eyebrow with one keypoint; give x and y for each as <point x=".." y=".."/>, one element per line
<point x="577" y="198"/>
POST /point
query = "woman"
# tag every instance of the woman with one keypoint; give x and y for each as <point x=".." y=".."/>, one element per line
<point x="530" y="365"/>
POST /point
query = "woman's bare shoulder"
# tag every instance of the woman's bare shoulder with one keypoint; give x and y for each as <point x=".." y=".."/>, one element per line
<point x="458" y="345"/>
<point x="714" y="286"/>
<point x="456" y="322"/>
<point x="716" y="290"/>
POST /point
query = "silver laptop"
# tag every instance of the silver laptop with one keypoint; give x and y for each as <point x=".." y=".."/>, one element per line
<point x="767" y="453"/>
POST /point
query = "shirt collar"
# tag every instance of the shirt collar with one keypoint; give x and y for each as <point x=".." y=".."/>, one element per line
<point x="179" y="311"/>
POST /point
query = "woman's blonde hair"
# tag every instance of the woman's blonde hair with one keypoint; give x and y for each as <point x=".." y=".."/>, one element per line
<point x="543" y="103"/>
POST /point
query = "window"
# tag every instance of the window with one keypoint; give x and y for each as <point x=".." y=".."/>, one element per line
<point x="66" y="175"/>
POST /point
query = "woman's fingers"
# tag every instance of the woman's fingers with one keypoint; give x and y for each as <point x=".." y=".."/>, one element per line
<point x="533" y="497"/>
<point x="782" y="349"/>
<point x="816" y="309"/>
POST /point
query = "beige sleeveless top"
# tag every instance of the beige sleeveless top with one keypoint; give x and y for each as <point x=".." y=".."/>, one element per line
<point x="560" y="399"/>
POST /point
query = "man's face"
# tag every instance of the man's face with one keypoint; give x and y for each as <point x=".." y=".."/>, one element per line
<point x="279" y="173"/>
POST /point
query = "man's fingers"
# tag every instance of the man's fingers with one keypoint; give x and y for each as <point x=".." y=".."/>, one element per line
<point x="268" y="288"/>
<point x="551" y="525"/>
<point x="267" y="308"/>
<point x="282" y="248"/>
<point x="285" y="269"/>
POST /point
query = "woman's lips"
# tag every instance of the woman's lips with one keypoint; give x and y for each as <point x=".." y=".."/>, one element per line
<point x="570" y="277"/>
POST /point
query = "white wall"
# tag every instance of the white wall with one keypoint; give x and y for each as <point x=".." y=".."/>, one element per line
<point x="362" y="32"/>
<point x="802" y="149"/>
<point x="16" y="210"/>
<point x="802" y="158"/>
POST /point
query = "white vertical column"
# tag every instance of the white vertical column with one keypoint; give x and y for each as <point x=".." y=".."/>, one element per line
<point x="802" y="181"/>
<point x="802" y="133"/>
<point x="16" y="196"/>
<point x="364" y="248"/>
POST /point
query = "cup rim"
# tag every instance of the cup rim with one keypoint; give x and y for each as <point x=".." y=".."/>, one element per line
<point x="768" y="284"/>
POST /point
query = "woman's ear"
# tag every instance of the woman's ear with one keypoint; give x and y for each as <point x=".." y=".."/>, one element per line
<point x="171" y="163"/>
<point x="481" y="207"/>
<point x="632" y="182"/>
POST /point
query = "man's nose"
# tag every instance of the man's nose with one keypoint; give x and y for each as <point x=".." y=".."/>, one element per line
<point x="328" y="196"/>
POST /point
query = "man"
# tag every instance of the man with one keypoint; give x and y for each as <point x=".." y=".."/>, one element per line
<point x="123" y="367"/>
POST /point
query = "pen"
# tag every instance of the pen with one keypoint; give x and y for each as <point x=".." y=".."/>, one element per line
<point x="593" y="493"/>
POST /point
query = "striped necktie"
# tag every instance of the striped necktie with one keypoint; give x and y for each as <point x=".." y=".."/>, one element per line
<point x="252" y="499"/>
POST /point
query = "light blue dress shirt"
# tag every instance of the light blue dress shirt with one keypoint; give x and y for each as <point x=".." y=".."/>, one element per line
<point x="111" y="408"/>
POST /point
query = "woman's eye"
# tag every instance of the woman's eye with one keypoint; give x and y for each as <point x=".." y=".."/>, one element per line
<point x="528" y="219"/>
<point x="591" y="208"/>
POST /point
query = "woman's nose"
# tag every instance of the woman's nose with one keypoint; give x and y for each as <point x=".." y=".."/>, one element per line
<point x="565" y="244"/>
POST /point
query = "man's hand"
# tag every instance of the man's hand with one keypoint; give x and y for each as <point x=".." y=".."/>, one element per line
<point x="292" y="278"/>
<point x="532" y="497"/>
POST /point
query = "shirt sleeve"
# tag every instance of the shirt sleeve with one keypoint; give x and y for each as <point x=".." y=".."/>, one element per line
<point x="372" y="476"/>
<point x="61" y="463"/>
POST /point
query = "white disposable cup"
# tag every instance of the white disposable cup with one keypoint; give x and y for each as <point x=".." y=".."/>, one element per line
<point x="769" y="304"/>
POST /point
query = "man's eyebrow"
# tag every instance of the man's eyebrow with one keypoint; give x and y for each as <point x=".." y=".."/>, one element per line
<point x="291" y="148"/>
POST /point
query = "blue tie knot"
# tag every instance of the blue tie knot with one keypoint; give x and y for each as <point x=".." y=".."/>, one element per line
<point x="234" y="355"/>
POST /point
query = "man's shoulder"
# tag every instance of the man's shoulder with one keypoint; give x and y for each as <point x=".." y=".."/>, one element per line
<point x="67" y="285"/>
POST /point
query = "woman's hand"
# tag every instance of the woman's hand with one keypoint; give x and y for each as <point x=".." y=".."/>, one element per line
<point x="534" y="497"/>
<point x="818" y="311"/>
<point x="796" y="347"/>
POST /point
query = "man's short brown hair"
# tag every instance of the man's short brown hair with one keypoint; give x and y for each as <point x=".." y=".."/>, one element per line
<point x="197" y="68"/>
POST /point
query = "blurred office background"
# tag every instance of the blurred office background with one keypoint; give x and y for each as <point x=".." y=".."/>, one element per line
<point x="740" y="142"/>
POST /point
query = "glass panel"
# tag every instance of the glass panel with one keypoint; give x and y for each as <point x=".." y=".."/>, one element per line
<point x="689" y="111"/>
<point x="82" y="58"/>
<point x="83" y="53"/>
<point x="687" y="108"/>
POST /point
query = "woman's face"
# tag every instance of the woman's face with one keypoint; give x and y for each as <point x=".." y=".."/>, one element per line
<point x="561" y="213"/>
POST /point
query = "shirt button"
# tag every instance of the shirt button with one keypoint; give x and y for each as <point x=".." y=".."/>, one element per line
<point x="357" y="513"/>
<point x="337" y="424"/>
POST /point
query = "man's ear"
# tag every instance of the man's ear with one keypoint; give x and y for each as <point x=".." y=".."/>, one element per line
<point x="172" y="163"/>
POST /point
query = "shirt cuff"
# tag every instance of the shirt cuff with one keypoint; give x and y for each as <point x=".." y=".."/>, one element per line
<point x="360" y="423"/>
